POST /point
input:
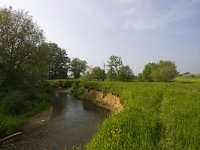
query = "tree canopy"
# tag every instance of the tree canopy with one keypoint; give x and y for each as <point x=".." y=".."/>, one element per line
<point x="20" y="39"/>
<point x="162" y="71"/>
<point x="117" y="70"/>
<point x="26" y="57"/>
<point x="78" y="67"/>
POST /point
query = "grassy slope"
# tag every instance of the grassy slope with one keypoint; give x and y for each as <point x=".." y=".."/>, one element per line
<point x="155" y="116"/>
<point x="11" y="123"/>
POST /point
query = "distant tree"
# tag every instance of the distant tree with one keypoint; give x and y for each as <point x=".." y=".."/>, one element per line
<point x="78" y="67"/>
<point x="125" y="74"/>
<point x="192" y="75"/>
<point x="165" y="71"/>
<point x="20" y="38"/>
<point x="114" y="65"/>
<point x="98" y="73"/>
<point x="186" y="74"/>
<point x="140" y="77"/>
<point x="147" y="72"/>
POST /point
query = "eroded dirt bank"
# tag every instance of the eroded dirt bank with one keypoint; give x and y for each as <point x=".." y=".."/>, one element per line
<point x="103" y="99"/>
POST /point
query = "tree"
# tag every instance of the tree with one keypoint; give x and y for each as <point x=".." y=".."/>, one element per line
<point x="58" y="61"/>
<point x="147" y="72"/>
<point x="114" y="65"/>
<point x="98" y="73"/>
<point x="164" y="71"/>
<point x="78" y="67"/>
<point x="125" y="74"/>
<point x="19" y="42"/>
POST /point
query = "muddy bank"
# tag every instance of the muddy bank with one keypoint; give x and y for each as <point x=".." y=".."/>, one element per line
<point x="103" y="99"/>
<point x="38" y="119"/>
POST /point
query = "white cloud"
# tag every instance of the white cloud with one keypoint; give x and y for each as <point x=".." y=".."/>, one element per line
<point x="146" y="14"/>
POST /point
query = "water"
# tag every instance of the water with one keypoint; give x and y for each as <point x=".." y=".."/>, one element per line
<point x="73" y="123"/>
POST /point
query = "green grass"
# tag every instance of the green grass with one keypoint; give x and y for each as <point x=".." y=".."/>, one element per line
<point x="188" y="79"/>
<point x="155" y="116"/>
<point x="16" y="106"/>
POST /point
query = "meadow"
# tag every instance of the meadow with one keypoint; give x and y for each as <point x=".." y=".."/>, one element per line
<point x="155" y="116"/>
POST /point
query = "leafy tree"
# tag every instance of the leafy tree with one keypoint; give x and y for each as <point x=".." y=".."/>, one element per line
<point x="147" y="72"/>
<point x="78" y="67"/>
<point x="162" y="71"/>
<point x="140" y="77"/>
<point x="165" y="71"/>
<point x="58" y="61"/>
<point x="114" y="65"/>
<point x="98" y="73"/>
<point x="19" y="42"/>
<point x="125" y="74"/>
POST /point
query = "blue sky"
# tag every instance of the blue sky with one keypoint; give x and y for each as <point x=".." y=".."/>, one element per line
<point x="139" y="31"/>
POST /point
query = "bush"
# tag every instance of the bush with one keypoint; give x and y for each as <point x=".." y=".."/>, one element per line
<point x="13" y="103"/>
<point x="163" y="71"/>
<point x="77" y="88"/>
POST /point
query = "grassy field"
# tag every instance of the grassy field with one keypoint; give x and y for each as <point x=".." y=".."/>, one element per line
<point x="155" y="116"/>
<point x="188" y="79"/>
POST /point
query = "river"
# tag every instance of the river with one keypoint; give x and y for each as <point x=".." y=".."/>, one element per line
<point x="73" y="122"/>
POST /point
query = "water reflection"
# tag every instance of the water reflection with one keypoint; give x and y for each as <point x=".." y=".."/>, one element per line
<point x="73" y="122"/>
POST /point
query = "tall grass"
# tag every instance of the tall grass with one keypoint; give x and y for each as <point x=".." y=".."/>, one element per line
<point x="16" y="106"/>
<point x="155" y="116"/>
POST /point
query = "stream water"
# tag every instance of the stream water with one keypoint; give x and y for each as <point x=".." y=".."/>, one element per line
<point x="73" y="123"/>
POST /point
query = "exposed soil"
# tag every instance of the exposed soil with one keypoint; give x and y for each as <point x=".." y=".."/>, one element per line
<point x="102" y="99"/>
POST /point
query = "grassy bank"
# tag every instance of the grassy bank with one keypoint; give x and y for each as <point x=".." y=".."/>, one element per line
<point x="16" y="106"/>
<point x="155" y="116"/>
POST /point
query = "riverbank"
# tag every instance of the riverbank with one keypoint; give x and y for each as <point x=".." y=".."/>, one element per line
<point x="103" y="99"/>
<point x="154" y="116"/>
<point x="72" y="124"/>
<point x="18" y="105"/>
<point x="38" y="120"/>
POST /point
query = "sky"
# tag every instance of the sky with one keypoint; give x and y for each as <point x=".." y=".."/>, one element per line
<point x="139" y="31"/>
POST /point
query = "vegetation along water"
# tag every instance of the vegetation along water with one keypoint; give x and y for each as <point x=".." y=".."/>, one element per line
<point x="161" y="107"/>
<point x="155" y="116"/>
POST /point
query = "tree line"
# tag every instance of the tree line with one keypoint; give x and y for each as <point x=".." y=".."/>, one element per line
<point x="26" y="57"/>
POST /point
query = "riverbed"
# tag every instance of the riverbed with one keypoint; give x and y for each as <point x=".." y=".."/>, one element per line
<point x="72" y="123"/>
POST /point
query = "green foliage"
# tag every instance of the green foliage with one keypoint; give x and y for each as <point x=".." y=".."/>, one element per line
<point x="114" y="64"/>
<point x="78" y="67"/>
<point x="155" y="116"/>
<point x="19" y="38"/>
<point x="14" y="104"/>
<point x="24" y="55"/>
<point x="17" y="105"/>
<point x="10" y="124"/>
<point x="77" y="88"/>
<point x="125" y="74"/>
<point x="147" y="72"/>
<point x="95" y="73"/>
<point x="58" y="61"/>
<point x="188" y="79"/>
<point x="163" y="71"/>
<point x="98" y="73"/>
<point x="117" y="71"/>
